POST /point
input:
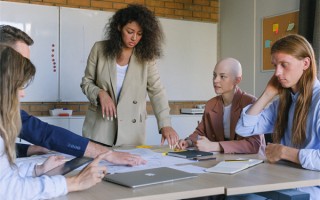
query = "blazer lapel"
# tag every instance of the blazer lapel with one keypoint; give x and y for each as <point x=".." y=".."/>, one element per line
<point x="113" y="77"/>
<point x="235" y="112"/>
<point x="130" y="76"/>
<point x="217" y="117"/>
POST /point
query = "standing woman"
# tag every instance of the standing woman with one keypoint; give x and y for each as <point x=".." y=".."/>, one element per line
<point x="294" y="117"/>
<point x="25" y="181"/>
<point x="120" y="72"/>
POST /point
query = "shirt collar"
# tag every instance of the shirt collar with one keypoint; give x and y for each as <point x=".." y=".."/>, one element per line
<point x="294" y="97"/>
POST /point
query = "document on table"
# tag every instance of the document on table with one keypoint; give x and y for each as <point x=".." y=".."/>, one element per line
<point x="154" y="160"/>
<point x="233" y="166"/>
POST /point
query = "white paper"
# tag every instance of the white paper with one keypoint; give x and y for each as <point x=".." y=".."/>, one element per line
<point x="154" y="160"/>
<point x="231" y="167"/>
<point x="189" y="168"/>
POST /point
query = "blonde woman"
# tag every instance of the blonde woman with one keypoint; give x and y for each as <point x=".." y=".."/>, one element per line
<point x="23" y="181"/>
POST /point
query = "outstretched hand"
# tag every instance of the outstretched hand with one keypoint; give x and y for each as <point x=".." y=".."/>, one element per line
<point x="88" y="177"/>
<point x="124" y="158"/>
<point x="169" y="134"/>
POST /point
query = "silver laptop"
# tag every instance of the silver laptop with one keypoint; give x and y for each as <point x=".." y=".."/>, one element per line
<point x="148" y="177"/>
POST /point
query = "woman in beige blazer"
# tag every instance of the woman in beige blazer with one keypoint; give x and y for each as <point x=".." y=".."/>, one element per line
<point x="120" y="72"/>
<point x="216" y="131"/>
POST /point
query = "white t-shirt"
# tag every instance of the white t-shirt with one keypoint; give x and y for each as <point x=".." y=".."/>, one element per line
<point x="226" y="121"/>
<point x="121" y="74"/>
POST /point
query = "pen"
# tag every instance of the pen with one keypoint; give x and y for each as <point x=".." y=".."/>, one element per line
<point x="242" y="160"/>
<point x="203" y="159"/>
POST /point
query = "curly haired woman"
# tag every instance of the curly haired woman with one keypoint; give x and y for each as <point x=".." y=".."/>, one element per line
<point x="120" y="72"/>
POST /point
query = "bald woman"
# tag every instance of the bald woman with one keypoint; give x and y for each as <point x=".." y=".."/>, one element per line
<point x="216" y="131"/>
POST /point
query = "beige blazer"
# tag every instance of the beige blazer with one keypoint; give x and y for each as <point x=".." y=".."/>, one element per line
<point x="141" y="79"/>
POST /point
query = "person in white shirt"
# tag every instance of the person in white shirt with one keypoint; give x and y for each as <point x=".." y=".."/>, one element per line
<point x="26" y="180"/>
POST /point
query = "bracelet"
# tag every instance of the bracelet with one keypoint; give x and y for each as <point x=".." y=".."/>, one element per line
<point x="35" y="170"/>
<point x="189" y="141"/>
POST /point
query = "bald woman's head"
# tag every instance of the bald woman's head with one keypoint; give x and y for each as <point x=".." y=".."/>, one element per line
<point x="230" y="66"/>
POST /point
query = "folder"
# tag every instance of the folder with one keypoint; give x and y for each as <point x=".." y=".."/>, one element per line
<point x="233" y="166"/>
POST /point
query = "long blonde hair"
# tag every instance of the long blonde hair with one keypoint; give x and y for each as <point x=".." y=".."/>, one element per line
<point x="298" y="47"/>
<point x="15" y="72"/>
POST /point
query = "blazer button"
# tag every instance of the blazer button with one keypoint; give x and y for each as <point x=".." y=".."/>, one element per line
<point x="134" y="121"/>
<point x="135" y="102"/>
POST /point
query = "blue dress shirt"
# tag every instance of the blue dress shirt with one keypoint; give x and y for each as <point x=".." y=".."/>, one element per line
<point x="309" y="153"/>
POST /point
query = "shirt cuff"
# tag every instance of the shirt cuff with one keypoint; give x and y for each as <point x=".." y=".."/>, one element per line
<point x="249" y="120"/>
<point x="309" y="159"/>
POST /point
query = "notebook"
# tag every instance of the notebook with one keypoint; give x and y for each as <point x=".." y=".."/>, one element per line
<point x="233" y="166"/>
<point x="190" y="154"/>
<point x="148" y="177"/>
<point x="68" y="166"/>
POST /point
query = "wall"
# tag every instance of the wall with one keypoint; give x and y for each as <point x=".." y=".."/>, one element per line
<point x="264" y="9"/>
<point x="195" y="10"/>
<point x="241" y="31"/>
<point x="237" y="37"/>
<point x="191" y="10"/>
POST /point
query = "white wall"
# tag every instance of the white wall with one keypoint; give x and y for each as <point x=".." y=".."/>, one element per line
<point x="237" y="37"/>
<point x="240" y="36"/>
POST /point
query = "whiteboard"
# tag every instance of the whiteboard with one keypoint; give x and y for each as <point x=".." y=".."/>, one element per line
<point x="79" y="30"/>
<point x="190" y="53"/>
<point x="41" y="23"/>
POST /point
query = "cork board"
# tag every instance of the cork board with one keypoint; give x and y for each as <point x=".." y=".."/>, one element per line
<point x="274" y="28"/>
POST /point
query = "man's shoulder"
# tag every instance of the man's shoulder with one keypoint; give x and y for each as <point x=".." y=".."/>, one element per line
<point x="24" y="113"/>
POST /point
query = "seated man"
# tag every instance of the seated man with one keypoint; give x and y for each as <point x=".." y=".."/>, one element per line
<point x="52" y="137"/>
<point x="216" y="131"/>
